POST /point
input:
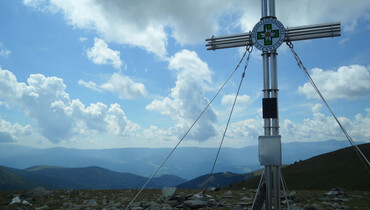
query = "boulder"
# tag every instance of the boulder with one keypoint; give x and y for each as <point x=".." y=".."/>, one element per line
<point x="167" y="193"/>
<point x="15" y="200"/>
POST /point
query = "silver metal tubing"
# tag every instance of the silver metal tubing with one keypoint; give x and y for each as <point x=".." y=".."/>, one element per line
<point x="227" y="46"/>
<point x="330" y="24"/>
<point x="274" y="77"/>
<point x="266" y="92"/>
<point x="228" y="36"/>
<point x="266" y="74"/>
<point x="266" y="89"/>
<point x="268" y="181"/>
<point x="272" y="8"/>
<point x="275" y="126"/>
<point x="313" y="31"/>
<point x="274" y="90"/>
<point x="229" y="41"/>
<point x="264" y="8"/>
<point x="314" y="36"/>
<point x="276" y="171"/>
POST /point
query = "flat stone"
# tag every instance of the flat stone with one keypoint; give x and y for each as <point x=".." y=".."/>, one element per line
<point x="194" y="204"/>
<point x="43" y="207"/>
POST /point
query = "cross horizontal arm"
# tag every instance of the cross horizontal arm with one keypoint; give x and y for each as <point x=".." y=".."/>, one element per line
<point x="292" y="34"/>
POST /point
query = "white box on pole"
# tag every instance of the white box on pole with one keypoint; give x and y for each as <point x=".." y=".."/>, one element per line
<point x="270" y="150"/>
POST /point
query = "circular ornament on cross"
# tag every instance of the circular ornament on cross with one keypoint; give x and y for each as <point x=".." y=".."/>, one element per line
<point x="268" y="34"/>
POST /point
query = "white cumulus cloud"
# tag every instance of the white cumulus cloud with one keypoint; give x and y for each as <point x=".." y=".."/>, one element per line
<point x="348" y="82"/>
<point x="59" y="118"/>
<point x="187" y="99"/>
<point x="123" y="85"/>
<point x="244" y="100"/>
<point x="100" y="54"/>
<point x="12" y="132"/>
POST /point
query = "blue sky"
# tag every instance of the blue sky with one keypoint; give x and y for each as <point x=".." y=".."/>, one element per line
<point x="104" y="74"/>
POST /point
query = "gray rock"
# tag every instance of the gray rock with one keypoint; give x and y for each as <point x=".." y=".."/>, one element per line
<point x="245" y="204"/>
<point x="336" y="192"/>
<point x="180" y="198"/>
<point x="67" y="205"/>
<point x="213" y="189"/>
<point x="146" y="204"/>
<point x="292" y="196"/>
<point x="15" y="200"/>
<point x="24" y="202"/>
<point x="42" y="207"/>
<point x="200" y="196"/>
<point x="194" y="204"/>
<point x="229" y="193"/>
<point x="168" y="192"/>
<point x="163" y="206"/>
<point x="91" y="202"/>
<point x="117" y="205"/>
<point x="174" y="203"/>
<point x="246" y="198"/>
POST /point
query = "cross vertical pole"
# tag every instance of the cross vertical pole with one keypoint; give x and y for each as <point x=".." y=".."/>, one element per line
<point x="275" y="126"/>
<point x="267" y="124"/>
<point x="271" y="125"/>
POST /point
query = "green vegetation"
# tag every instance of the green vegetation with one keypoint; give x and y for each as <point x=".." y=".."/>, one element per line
<point x="341" y="168"/>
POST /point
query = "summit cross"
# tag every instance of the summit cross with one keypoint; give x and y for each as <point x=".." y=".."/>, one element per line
<point x="268" y="35"/>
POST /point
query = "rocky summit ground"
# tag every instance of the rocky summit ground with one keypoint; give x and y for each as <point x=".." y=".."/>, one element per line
<point x="172" y="198"/>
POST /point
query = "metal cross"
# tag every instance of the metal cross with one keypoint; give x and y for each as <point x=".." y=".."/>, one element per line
<point x="267" y="35"/>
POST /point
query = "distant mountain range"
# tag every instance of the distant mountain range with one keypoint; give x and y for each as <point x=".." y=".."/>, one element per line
<point x="339" y="168"/>
<point x="186" y="162"/>
<point x="78" y="178"/>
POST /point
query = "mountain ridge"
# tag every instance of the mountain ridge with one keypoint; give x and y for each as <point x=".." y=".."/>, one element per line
<point x="186" y="162"/>
<point x="92" y="177"/>
<point x="317" y="173"/>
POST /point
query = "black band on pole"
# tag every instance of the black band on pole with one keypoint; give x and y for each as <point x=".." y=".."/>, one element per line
<point x="269" y="108"/>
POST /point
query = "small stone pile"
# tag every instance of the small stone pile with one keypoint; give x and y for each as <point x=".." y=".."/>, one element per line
<point x="170" y="200"/>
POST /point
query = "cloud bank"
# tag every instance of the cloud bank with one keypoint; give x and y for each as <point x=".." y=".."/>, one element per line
<point x="348" y="82"/>
<point x="149" y="24"/>
<point x="59" y="118"/>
